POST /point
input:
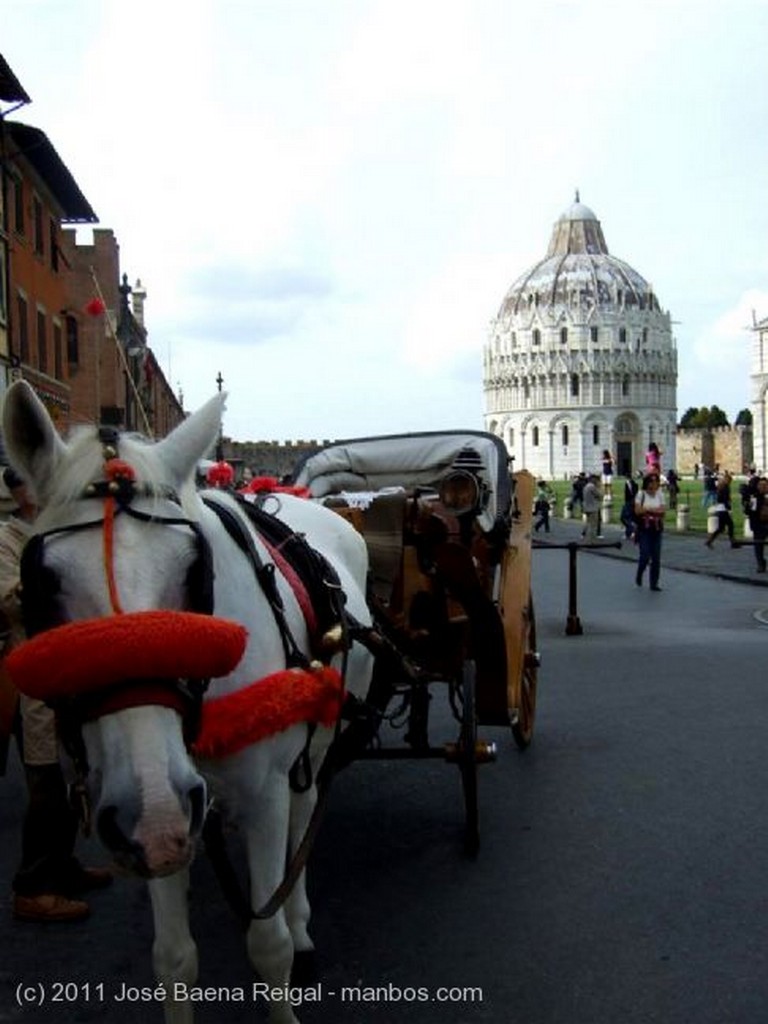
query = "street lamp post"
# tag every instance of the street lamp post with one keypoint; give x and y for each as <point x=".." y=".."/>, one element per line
<point x="220" y="442"/>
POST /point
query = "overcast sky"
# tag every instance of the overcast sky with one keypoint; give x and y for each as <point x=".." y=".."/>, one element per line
<point x="326" y="200"/>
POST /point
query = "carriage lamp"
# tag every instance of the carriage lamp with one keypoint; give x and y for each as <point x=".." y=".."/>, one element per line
<point x="462" y="490"/>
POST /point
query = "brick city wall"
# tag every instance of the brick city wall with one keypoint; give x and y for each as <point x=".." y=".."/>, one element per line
<point x="725" y="447"/>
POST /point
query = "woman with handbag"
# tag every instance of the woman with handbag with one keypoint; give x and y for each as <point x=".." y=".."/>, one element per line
<point x="649" y="515"/>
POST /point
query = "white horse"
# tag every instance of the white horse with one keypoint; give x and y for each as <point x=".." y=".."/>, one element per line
<point x="149" y="796"/>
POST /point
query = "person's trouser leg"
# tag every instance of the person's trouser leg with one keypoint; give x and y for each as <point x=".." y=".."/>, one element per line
<point x="655" y="557"/>
<point x="48" y="834"/>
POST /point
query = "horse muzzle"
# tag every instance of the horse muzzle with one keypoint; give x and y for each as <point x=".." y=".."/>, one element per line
<point x="154" y="839"/>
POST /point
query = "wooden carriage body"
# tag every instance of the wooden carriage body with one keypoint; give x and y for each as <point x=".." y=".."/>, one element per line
<point x="447" y="584"/>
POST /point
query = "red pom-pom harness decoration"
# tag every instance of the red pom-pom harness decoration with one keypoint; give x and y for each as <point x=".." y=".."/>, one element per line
<point x="271" y="485"/>
<point x="84" y="657"/>
<point x="220" y="474"/>
<point x="236" y="720"/>
<point x="91" y="657"/>
<point x="95" y="307"/>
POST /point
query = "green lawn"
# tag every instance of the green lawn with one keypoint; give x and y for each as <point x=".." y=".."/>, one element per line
<point x="690" y="494"/>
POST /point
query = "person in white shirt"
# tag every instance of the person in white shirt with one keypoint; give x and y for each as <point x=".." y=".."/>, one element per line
<point x="592" y="502"/>
<point x="649" y="515"/>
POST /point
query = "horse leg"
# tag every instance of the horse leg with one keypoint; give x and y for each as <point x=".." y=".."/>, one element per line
<point x="174" y="953"/>
<point x="270" y="946"/>
<point x="297" y="908"/>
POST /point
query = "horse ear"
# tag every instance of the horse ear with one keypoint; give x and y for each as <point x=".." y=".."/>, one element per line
<point x="183" y="448"/>
<point x="34" y="447"/>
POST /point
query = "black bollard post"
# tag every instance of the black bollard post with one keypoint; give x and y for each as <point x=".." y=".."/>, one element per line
<point x="573" y="624"/>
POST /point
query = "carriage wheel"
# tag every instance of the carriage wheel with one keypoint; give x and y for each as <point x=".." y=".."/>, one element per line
<point x="525" y="697"/>
<point x="468" y="760"/>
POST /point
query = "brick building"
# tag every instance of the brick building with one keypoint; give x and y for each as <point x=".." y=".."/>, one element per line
<point x="87" y="367"/>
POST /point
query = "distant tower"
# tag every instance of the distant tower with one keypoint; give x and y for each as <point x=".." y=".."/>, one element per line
<point x="759" y="378"/>
<point x="139" y="298"/>
<point x="581" y="358"/>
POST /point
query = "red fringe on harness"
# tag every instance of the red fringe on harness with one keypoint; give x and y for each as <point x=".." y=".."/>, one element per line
<point x="272" y="704"/>
<point x="83" y="657"/>
<point x="271" y="485"/>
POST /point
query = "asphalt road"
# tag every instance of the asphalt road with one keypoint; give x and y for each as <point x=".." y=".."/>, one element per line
<point x="622" y="872"/>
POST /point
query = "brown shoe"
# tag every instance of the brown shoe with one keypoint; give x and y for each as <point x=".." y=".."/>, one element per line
<point x="49" y="907"/>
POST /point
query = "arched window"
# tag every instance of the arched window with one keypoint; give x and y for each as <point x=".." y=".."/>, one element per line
<point x="535" y="437"/>
<point x="574" y="385"/>
<point x="536" y="336"/>
<point x="622" y="335"/>
<point x="563" y="335"/>
<point x="565" y="437"/>
<point x="625" y="386"/>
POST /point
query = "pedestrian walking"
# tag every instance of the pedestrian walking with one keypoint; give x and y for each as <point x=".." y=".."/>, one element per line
<point x="722" y="507"/>
<point x="673" y="487"/>
<point x="592" y="502"/>
<point x="653" y="459"/>
<point x="607" y="471"/>
<point x="49" y="880"/>
<point x="628" y="521"/>
<point x="577" y="492"/>
<point x="649" y="515"/>
<point x="758" y="519"/>
<point x="709" y="495"/>
<point x="541" y="506"/>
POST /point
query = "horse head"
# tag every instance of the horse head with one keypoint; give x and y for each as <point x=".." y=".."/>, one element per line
<point x="117" y="538"/>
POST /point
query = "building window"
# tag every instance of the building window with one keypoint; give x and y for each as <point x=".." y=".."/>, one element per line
<point x="574" y="385"/>
<point x="42" y="342"/>
<point x="37" y="217"/>
<point x="54" y="245"/>
<point x="535" y="437"/>
<point x="22" y="317"/>
<point x="563" y="335"/>
<point x="73" y="343"/>
<point x="593" y="335"/>
<point x="3" y="300"/>
<point x="536" y="336"/>
<point x="565" y="437"/>
<point x="511" y="442"/>
<point x="17" y="201"/>
<point x="595" y="434"/>
<point x="622" y="335"/>
<point x="625" y="387"/>
<point x="58" y="358"/>
<point x="645" y="335"/>
<point x="526" y="390"/>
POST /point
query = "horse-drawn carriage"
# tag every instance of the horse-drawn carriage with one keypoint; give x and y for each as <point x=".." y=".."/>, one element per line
<point x="192" y="668"/>
<point x="447" y="529"/>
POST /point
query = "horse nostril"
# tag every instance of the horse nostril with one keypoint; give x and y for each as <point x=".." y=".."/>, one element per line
<point x="110" y="832"/>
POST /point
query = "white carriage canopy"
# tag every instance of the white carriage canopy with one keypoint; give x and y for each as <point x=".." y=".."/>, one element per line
<point x="408" y="461"/>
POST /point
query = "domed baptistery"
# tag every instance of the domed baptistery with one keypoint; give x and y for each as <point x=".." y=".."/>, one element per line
<point x="580" y="359"/>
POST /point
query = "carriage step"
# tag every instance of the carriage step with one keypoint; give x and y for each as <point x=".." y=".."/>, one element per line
<point x="485" y="752"/>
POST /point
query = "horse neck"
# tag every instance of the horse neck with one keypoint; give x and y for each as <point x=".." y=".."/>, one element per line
<point x="239" y="596"/>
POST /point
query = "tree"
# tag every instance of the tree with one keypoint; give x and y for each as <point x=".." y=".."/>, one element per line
<point x="704" y="418"/>
<point x="717" y="417"/>
<point x="688" y="417"/>
<point x="744" y="419"/>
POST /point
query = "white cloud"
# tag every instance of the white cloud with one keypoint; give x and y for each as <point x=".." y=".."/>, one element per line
<point x="414" y="156"/>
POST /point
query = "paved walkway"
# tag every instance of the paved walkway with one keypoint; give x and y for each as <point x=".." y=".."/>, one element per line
<point x="684" y="551"/>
